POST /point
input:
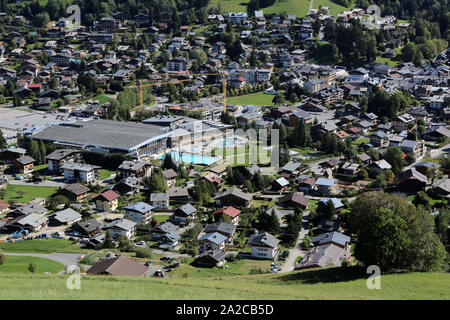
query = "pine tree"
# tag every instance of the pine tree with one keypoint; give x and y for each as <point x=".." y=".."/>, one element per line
<point x="33" y="149"/>
<point x="109" y="243"/>
<point x="3" y="143"/>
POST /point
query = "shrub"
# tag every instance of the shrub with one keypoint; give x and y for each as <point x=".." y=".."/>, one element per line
<point x="256" y="271"/>
<point x="231" y="258"/>
<point x="192" y="251"/>
<point x="2" y="259"/>
<point x="32" y="267"/>
<point x="143" y="253"/>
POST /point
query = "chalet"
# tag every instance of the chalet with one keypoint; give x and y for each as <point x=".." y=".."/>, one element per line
<point x="121" y="227"/>
<point x="294" y="200"/>
<point x="336" y="238"/>
<point x="327" y="225"/>
<point x="159" y="200"/>
<point x="11" y="153"/>
<point x="128" y="186"/>
<point x="178" y="194"/>
<point x="234" y="197"/>
<point x="32" y="222"/>
<point x="325" y="186"/>
<point x="441" y="188"/>
<point x="171" y="176"/>
<point x="436" y="133"/>
<point x="402" y="122"/>
<point x="226" y="229"/>
<point x="107" y="201"/>
<point x="88" y="227"/>
<point x="213" y="240"/>
<point x="118" y="266"/>
<point x="139" y="212"/>
<point x="323" y="203"/>
<point x="160" y="230"/>
<point x="60" y="156"/>
<point x="298" y="116"/>
<point x="75" y="192"/>
<point x="211" y="258"/>
<point x="423" y="167"/>
<point x="138" y="169"/>
<point x="411" y="181"/>
<point x="213" y="178"/>
<point x="263" y="245"/>
<point x="280" y="184"/>
<point x="24" y="164"/>
<point x="183" y="215"/>
<point x="323" y="256"/>
<point x="65" y="217"/>
<point x="229" y="211"/>
<point x="379" y="139"/>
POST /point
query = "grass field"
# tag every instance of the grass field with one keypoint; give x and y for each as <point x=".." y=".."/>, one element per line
<point x="104" y="174"/>
<point x="41" y="246"/>
<point x="20" y="265"/>
<point x="161" y="218"/>
<point x="339" y="283"/>
<point x="30" y="193"/>
<point x="298" y="7"/>
<point x="259" y="99"/>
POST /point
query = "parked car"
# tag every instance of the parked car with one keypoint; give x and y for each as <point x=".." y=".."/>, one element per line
<point x="148" y="263"/>
<point x="141" y="243"/>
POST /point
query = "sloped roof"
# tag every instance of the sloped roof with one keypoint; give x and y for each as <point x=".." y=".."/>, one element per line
<point x="296" y="197"/>
<point x="335" y="237"/>
<point x="235" y="192"/>
<point x="411" y="174"/>
<point x="66" y="215"/>
<point x="230" y="211"/>
<point x="264" y="238"/>
<point x="213" y="237"/>
<point x="118" y="267"/>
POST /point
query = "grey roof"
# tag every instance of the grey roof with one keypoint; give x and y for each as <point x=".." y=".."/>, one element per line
<point x="103" y="133"/>
<point x="221" y="227"/>
<point x="322" y="256"/>
<point x="282" y="182"/>
<point x="140" y="207"/>
<point x="159" y="196"/>
<point x="89" y="225"/>
<point x="443" y="184"/>
<point x="76" y="188"/>
<point x="335" y="237"/>
<point x="383" y="164"/>
<point x="213" y="237"/>
<point x="410" y="144"/>
<point x="264" y="238"/>
<point x="79" y="166"/>
<point x="25" y="160"/>
<point x="336" y="202"/>
<point x="132" y="165"/>
<point x="121" y="224"/>
<point x="167" y="227"/>
<point x="66" y="215"/>
<point x="178" y="192"/>
<point x="33" y="219"/>
<point x="59" y="154"/>
<point x="216" y="255"/>
<point x="236" y="192"/>
<point x="380" y="134"/>
<point x="291" y="166"/>
<point x="325" y="182"/>
<point x="188" y="209"/>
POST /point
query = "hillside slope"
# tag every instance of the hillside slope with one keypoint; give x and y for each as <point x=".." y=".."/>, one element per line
<point x="349" y="283"/>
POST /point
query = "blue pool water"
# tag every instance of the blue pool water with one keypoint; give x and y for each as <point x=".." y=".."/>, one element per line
<point x="192" y="158"/>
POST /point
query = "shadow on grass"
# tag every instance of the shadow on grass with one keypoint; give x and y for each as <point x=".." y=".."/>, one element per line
<point x="328" y="275"/>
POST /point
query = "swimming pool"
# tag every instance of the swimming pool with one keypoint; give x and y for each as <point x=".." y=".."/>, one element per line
<point x="192" y="158"/>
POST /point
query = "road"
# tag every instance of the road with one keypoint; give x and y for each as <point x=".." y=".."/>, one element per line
<point x="297" y="250"/>
<point x="67" y="259"/>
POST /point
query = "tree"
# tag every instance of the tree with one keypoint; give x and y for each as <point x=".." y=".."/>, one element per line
<point x="442" y="223"/>
<point x="125" y="244"/>
<point x="109" y="243"/>
<point x="394" y="156"/>
<point x="157" y="183"/>
<point x="391" y="233"/>
<point x="278" y="99"/>
<point x="422" y="198"/>
<point x="2" y="259"/>
<point x="168" y="162"/>
<point x="33" y="149"/>
<point x="3" y="143"/>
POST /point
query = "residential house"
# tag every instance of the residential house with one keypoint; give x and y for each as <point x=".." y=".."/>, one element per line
<point x="234" y="197"/>
<point x="118" y="266"/>
<point x="139" y="212"/>
<point x="171" y="176"/>
<point x="178" y="194"/>
<point x="75" y="192"/>
<point x="88" y="227"/>
<point x="323" y="256"/>
<point x="60" y="156"/>
<point x="226" y="229"/>
<point x="74" y="171"/>
<point x="65" y="217"/>
<point x="229" y="211"/>
<point x="294" y="199"/>
<point x="183" y="215"/>
<point x="24" y="164"/>
<point x="280" y="184"/>
<point x="213" y="240"/>
<point x="107" y="201"/>
<point x="416" y="148"/>
<point x="263" y="245"/>
<point x="402" y="122"/>
<point x="411" y="181"/>
<point x="121" y="227"/>
<point x="160" y="230"/>
<point x="211" y="258"/>
<point x="325" y="186"/>
<point x="32" y="222"/>
<point x="441" y="188"/>
<point x="138" y="169"/>
<point x="159" y="200"/>
<point x="336" y="238"/>
<point x="379" y="139"/>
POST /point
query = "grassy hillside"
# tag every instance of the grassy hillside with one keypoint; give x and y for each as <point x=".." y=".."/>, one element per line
<point x="342" y="283"/>
<point x="259" y="99"/>
<point x="20" y="265"/>
<point x="41" y="246"/>
<point x="29" y="192"/>
<point x="297" y="7"/>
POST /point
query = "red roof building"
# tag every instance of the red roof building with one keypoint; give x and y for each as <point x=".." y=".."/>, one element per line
<point x="230" y="211"/>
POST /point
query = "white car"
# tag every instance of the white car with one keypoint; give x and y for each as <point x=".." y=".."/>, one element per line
<point x="141" y="243"/>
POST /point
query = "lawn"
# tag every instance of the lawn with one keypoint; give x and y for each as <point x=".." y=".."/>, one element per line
<point x="335" y="283"/>
<point x="161" y="218"/>
<point x="360" y="140"/>
<point x="102" y="98"/>
<point x="105" y="174"/>
<point x="41" y="246"/>
<point x="303" y="150"/>
<point x="259" y="99"/>
<point x="29" y="192"/>
<point x="298" y="7"/>
<point x="20" y="265"/>
<point x="312" y="204"/>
